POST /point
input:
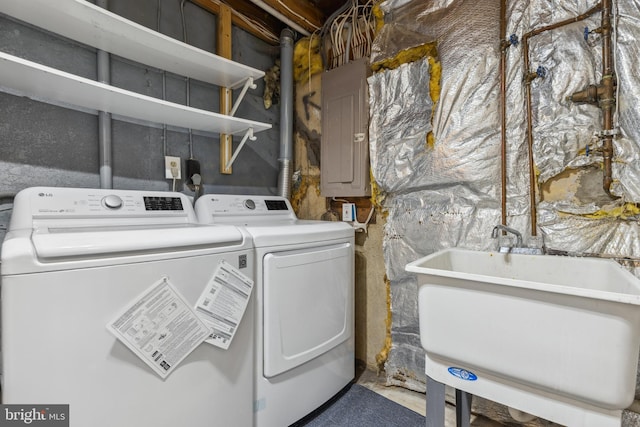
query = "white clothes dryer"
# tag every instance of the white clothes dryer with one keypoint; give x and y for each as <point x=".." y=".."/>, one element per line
<point x="304" y="302"/>
<point x="72" y="259"/>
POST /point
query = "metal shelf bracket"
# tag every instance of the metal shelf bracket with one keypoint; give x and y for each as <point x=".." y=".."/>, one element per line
<point x="247" y="84"/>
<point x="247" y="135"/>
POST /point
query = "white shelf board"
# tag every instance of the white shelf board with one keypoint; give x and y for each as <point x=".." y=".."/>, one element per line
<point x="47" y="84"/>
<point x="89" y="24"/>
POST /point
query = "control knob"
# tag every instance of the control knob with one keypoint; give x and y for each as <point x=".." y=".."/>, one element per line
<point x="112" y="202"/>
<point x="249" y="204"/>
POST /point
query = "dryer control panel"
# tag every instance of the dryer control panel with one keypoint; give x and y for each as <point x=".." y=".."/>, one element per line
<point x="232" y="208"/>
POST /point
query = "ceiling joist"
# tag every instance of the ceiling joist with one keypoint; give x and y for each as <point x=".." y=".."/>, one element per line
<point x="250" y="11"/>
<point x="302" y="14"/>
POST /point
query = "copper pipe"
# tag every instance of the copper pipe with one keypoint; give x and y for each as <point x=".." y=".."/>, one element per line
<point x="503" y="108"/>
<point x="532" y="172"/>
<point x="528" y="77"/>
<point x="603" y="95"/>
<point x="608" y="101"/>
<point x="559" y="24"/>
<point x="590" y="95"/>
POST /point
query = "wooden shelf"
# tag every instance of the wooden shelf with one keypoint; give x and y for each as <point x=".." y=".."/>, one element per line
<point x="86" y="23"/>
<point x="36" y="81"/>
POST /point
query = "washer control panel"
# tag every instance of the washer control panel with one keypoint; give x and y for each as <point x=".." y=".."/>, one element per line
<point x="61" y="203"/>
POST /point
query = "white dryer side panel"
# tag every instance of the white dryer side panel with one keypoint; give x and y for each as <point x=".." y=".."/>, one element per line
<point x="308" y="304"/>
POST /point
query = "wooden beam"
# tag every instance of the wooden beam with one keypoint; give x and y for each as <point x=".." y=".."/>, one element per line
<point x="249" y="10"/>
<point x="303" y="13"/>
<point x="224" y="50"/>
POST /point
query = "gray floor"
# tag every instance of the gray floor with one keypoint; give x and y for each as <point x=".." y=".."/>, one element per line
<point x="412" y="400"/>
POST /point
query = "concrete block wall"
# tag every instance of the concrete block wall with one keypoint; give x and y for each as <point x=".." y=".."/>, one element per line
<point x="44" y="144"/>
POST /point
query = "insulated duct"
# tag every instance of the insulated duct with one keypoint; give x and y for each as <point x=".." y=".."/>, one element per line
<point x="286" y="112"/>
<point x="104" y="118"/>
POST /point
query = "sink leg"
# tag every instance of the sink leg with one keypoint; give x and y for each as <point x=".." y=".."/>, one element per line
<point x="463" y="408"/>
<point x="435" y="403"/>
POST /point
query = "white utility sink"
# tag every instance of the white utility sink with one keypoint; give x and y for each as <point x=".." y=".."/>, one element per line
<point x="557" y="337"/>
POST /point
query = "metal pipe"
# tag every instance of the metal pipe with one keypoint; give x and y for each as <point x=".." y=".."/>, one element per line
<point x="559" y="24"/>
<point x="504" y="228"/>
<point x="286" y="112"/>
<point x="528" y="77"/>
<point x="532" y="172"/>
<point x="104" y="118"/>
<point x="603" y="95"/>
<point x="503" y="110"/>
<point x="608" y="101"/>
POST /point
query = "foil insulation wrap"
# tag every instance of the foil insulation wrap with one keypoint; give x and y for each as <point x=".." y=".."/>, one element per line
<point x="440" y="196"/>
<point x="449" y="194"/>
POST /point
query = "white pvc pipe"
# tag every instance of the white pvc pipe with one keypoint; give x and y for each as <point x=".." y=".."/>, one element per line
<point x="104" y="118"/>
<point x="271" y="11"/>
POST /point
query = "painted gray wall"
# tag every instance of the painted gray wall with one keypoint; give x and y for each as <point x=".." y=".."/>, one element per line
<point x="43" y="144"/>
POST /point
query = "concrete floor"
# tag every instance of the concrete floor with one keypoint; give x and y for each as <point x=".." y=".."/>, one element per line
<point x="413" y="400"/>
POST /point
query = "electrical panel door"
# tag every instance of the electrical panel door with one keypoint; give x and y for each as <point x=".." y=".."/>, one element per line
<point x="344" y="151"/>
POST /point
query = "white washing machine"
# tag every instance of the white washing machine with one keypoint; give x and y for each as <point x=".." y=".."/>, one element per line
<point x="71" y="261"/>
<point x="304" y="302"/>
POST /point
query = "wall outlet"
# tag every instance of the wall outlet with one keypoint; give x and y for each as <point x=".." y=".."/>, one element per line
<point x="172" y="167"/>
<point x="348" y="211"/>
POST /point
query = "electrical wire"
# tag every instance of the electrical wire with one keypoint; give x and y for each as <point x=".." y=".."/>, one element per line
<point x="164" y="82"/>
<point x="316" y="32"/>
<point x="315" y="27"/>
<point x="359" y="24"/>
<point x="254" y="24"/>
<point x="187" y="79"/>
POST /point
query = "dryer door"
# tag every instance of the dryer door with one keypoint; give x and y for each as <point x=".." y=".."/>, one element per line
<point x="308" y="304"/>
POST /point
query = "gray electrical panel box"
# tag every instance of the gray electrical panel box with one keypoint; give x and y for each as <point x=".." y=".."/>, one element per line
<point x="344" y="150"/>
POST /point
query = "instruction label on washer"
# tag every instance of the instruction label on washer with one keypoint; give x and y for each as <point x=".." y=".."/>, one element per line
<point x="160" y="327"/>
<point x="223" y="303"/>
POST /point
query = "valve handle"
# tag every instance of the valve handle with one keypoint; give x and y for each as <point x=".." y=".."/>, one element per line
<point x="513" y="40"/>
<point x="541" y="71"/>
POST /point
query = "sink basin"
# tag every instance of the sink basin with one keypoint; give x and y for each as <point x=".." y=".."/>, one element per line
<point x="553" y="336"/>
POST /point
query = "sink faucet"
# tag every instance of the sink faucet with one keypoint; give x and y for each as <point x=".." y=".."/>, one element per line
<point x="494" y="233"/>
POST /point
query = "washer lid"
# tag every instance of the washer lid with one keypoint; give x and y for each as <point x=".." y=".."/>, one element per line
<point x="97" y="242"/>
<point x="28" y="251"/>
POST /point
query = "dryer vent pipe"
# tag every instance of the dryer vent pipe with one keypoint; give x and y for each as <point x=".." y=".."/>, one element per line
<point x="286" y="113"/>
